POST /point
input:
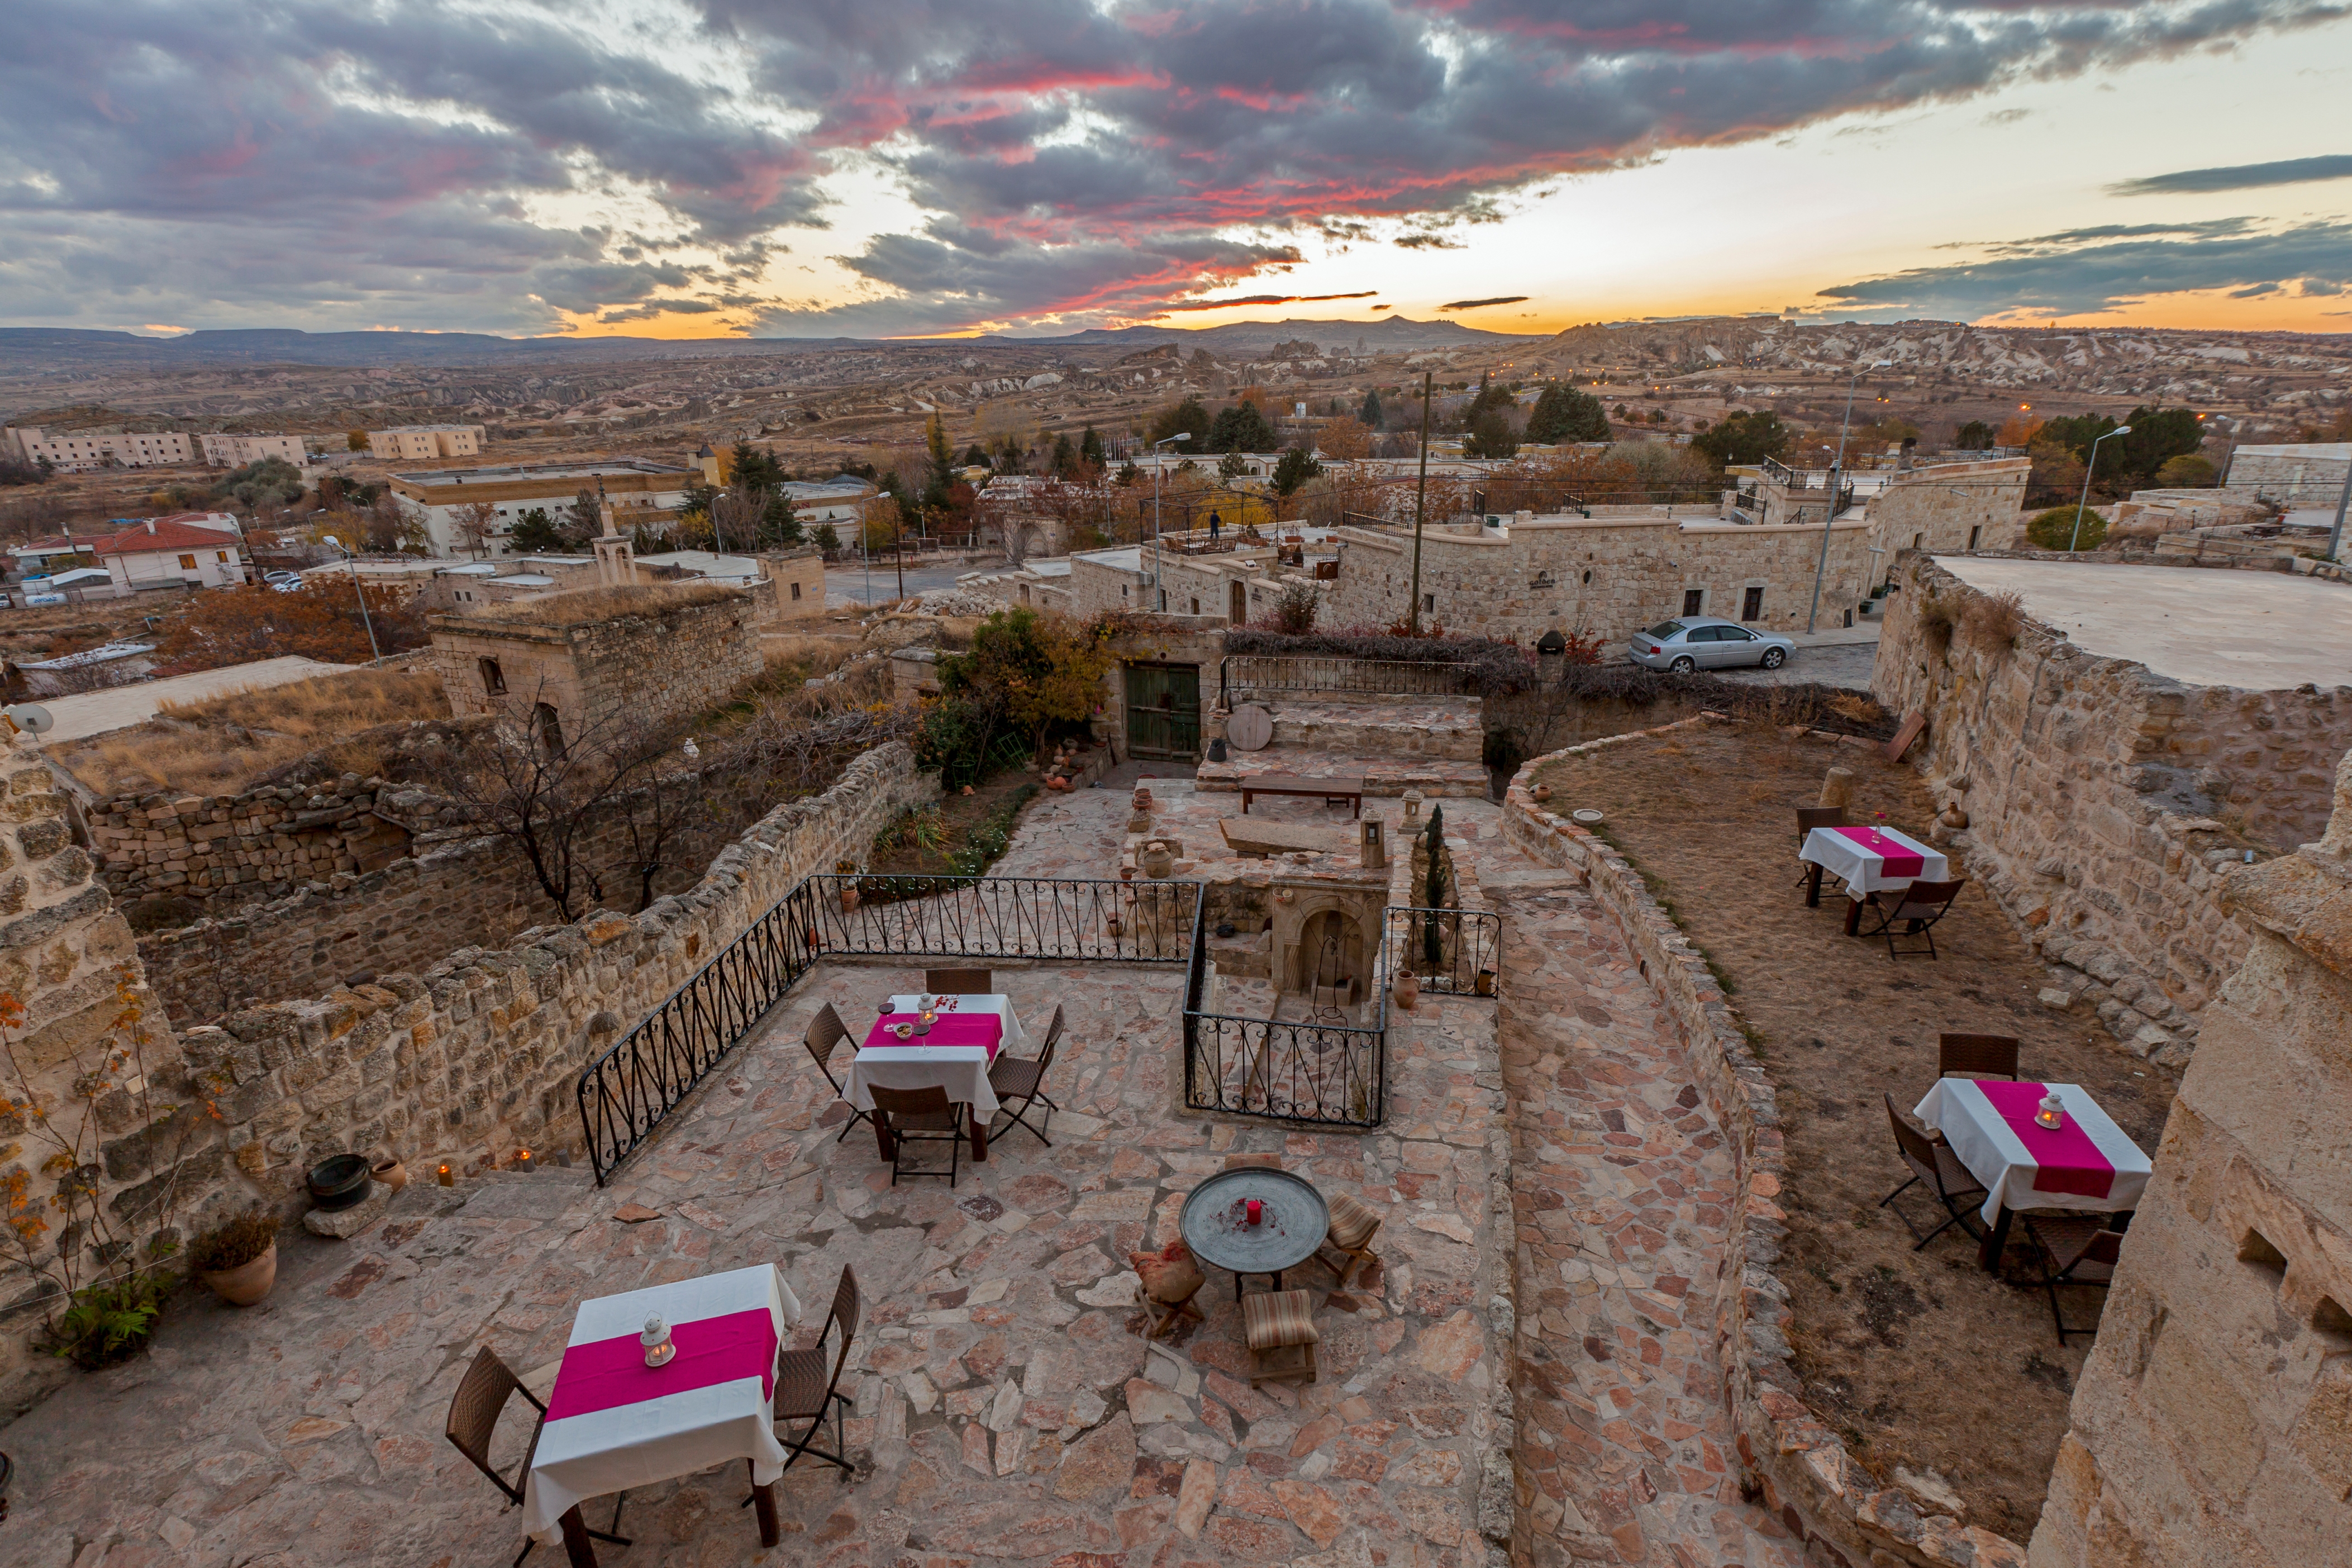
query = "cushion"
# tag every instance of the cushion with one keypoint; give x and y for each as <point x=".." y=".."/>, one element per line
<point x="1352" y="1223"/>
<point x="1277" y="1318"/>
<point x="1169" y="1275"/>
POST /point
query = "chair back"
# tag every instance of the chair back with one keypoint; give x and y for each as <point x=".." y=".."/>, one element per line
<point x="824" y="1032"/>
<point x="959" y="982"/>
<point x="2106" y="1247"/>
<point x="474" y="1412"/>
<point x="892" y="1103"/>
<point x="1928" y="900"/>
<point x="1994" y="1055"/>
<point x="1052" y="1040"/>
<point x="1812" y="817"/>
<point x="1917" y="1150"/>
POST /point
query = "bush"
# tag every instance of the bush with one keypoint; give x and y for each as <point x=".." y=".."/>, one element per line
<point x="2189" y="472"/>
<point x="109" y="1321"/>
<point x="1295" y="608"/>
<point x="1992" y="622"/>
<point x="233" y="1243"/>
<point x="2054" y="529"/>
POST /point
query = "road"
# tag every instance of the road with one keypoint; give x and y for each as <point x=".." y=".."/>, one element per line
<point x="1840" y="658"/>
<point x="119" y="708"/>
<point x="847" y="586"/>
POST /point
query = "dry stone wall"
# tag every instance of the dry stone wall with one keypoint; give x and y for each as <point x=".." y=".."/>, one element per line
<point x="240" y="847"/>
<point x="2107" y="805"/>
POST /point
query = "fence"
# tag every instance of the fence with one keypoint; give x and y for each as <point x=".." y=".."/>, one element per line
<point x="1454" y="951"/>
<point x="1240" y="673"/>
<point x="629" y="1091"/>
<point x="1314" y="1071"/>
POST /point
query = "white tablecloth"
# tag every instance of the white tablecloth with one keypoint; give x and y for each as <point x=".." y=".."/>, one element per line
<point x="1998" y="1157"/>
<point x="628" y="1446"/>
<point x="1863" y="871"/>
<point x="960" y="1070"/>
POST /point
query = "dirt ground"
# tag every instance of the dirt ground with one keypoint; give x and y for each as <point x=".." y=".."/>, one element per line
<point x="1918" y="1358"/>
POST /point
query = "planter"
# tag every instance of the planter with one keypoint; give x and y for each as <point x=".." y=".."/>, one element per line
<point x="1541" y="792"/>
<point x="849" y="898"/>
<point x="1217" y="749"/>
<point x="1486" y="982"/>
<point x="248" y="1282"/>
<point x="1407" y="989"/>
<point x="1157" y="861"/>
<point x="391" y="1173"/>
<point x="339" y="1182"/>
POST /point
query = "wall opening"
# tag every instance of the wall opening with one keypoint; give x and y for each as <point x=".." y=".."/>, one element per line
<point x="1752" y="606"/>
<point x="547" y="730"/>
<point x="2333" y="1325"/>
<point x="1694" y="601"/>
<point x="494" y="680"/>
<point x="2257" y="1250"/>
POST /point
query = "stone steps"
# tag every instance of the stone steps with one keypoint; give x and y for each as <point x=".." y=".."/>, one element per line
<point x="1435" y="727"/>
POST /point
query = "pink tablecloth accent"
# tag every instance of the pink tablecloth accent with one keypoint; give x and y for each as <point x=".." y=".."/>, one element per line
<point x="1897" y="860"/>
<point x="983" y="1030"/>
<point x="605" y="1373"/>
<point x="2068" y="1161"/>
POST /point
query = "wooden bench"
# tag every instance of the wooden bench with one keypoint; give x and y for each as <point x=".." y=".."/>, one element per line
<point x="1328" y="790"/>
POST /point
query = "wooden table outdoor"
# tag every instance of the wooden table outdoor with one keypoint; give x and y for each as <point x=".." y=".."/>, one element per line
<point x="1325" y="790"/>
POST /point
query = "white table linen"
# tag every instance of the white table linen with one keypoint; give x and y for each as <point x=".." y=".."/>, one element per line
<point x="1863" y="871"/>
<point x="960" y="1070"/>
<point x="628" y="1446"/>
<point x="1997" y="1156"/>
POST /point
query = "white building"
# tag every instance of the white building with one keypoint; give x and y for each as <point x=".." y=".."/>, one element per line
<point x="236" y="451"/>
<point x="415" y="442"/>
<point x="639" y="491"/>
<point x="840" y="500"/>
<point x="80" y="450"/>
<point x="182" y="550"/>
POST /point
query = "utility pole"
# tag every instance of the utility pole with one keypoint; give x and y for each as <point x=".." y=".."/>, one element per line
<point x="1420" y="506"/>
<point x="1830" y="507"/>
<point x="2335" y="533"/>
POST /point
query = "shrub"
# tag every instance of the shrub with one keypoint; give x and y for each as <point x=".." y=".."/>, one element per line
<point x="2054" y="529"/>
<point x="109" y="1321"/>
<point x="1991" y="622"/>
<point x="1295" y="608"/>
<point x="1937" y="619"/>
<point x="233" y="1243"/>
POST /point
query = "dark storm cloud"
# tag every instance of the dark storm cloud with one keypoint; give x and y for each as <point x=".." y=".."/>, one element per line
<point x="1482" y="304"/>
<point x="2237" y="177"/>
<point x="333" y="163"/>
<point x="1253" y="299"/>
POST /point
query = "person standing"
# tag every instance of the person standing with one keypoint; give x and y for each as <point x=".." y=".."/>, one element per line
<point x="1216" y="525"/>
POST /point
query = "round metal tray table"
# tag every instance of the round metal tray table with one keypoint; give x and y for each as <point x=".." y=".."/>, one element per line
<point x="1293" y="1221"/>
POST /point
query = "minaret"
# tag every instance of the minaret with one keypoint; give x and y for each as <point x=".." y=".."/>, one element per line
<point x="616" y="567"/>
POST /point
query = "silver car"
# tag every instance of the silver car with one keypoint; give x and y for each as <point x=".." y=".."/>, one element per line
<point x="1707" y="642"/>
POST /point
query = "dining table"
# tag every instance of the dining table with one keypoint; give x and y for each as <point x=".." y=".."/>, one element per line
<point x="614" y="1423"/>
<point x="1254" y="1219"/>
<point x="1867" y="859"/>
<point x="950" y="1041"/>
<point x="2086" y="1163"/>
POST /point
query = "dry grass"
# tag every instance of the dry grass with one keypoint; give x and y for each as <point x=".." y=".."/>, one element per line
<point x="586" y="605"/>
<point x="1858" y="708"/>
<point x="807" y="657"/>
<point x="220" y="745"/>
<point x="1992" y="622"/>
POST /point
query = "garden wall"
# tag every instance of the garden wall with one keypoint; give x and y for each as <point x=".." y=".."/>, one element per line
<point x="1802" y="1466"/>
<point x="256" y="844"/>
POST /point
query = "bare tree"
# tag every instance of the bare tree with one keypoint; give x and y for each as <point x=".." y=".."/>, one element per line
<point x="476" y="522"/>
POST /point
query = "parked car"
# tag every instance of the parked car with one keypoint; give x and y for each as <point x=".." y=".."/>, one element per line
<point x="279" y="575"/>
<point x="1707" y="642"/>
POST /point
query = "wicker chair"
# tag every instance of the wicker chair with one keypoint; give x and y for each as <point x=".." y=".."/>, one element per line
<point x="474" y="1412"/>
<point x="1017" y="1077"/>
<point x="805" y="1391"/>
<point x="1993" y="1055"/>
<point x="1808" y="819"/>
<point x="1280" y="1328"/>
<point x="923" y="1116"/>
<point x="1918" y="907"/>
<point x="959" y="982"/>
<point x="1349" y="1236"/>
<point x="825" y="1032"/>
<point x="2076" y="1249"/>
<point x="1931" y="1161"/>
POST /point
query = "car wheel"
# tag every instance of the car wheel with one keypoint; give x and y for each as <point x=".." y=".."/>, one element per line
<point x="1684" y="665"/>
<point x="1775" y="657"/>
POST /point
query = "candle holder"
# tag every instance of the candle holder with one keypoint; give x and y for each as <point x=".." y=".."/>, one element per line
<point x="2052" y="1113"/>
<point x="657" y="1341"/>
<point x="445" y="1176"/>
<point x="523" y="1162"/>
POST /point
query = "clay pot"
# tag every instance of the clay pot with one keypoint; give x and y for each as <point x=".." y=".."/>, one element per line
<point x="248" y="1282"/>
<point x="1157" y="861"/>
<point x="339" y="1181"/>
<point x="849" y="898"/>
<point x="391" y="1174"/>
<point x="1954" y="817"/>
<point x="1142" y="799"/>
<point x="1407" y="989"/>
<point x="1541" y="792"/>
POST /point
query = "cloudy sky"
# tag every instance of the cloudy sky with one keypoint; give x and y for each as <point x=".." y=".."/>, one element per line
<point x="889" y="167"/>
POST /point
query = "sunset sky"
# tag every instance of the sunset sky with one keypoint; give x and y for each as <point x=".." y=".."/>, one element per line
<point x="884" y="168"/>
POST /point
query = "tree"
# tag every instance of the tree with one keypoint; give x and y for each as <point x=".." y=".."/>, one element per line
<point x="534" y="533"/>
<point x="1491" y="434"/>
<point x="1233" y="466"/>
<point x="1370" y="414"/>
<point x="387" y="527"/>
<point x="1563" y="413"/>
<point x="2056" y="474"/>
<point x="2054" y="529"/>
<point x="973" y="458"/>
<point x="2186" y="472"/>
<point x="1240" y="427"/>
<point x="355" y="441"/>
<point x="753" y="467"/>
<point x="1490" y="397"/>
<point x="1090" y="451"/>
<point x="583" y="519"/>
<point x="883" y="523"/>
<point x="827" y="538"/>
<point x="1187" y="418"/>
<point x="940" y="458"/>
<point x="2017" y="430"/>
<point x="1742" y="438"/>
<point x="271" y="482"/>
<point x="1066" y="456"/>
<point x="320" y="621"/>
<point x="1031" y="672"/>
<point x="476" y="522"/>
<point x="1976" y="436"/>
<point x="1344" y="438"/>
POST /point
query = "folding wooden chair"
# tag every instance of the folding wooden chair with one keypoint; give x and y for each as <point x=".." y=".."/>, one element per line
<point x="959" y="982"/>
<point x="924" y="1116"/>
<point x="1808" y="819"/>
<point x="824" y="1032"/>
<point x="1992" y="1055"/>
<point x="1932" y="1161"/>
<point x="1918" y="908"/>
<point x="2076" y="1249"/>
<point x="806" y="1392"/>
<point x="1349" y="1236"/>
<point x="474" y="1412"/>
<point x="1017" y="1077"/>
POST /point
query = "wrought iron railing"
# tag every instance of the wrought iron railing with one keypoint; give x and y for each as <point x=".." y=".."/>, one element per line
<point x="1316" y="1070"/>
<point x="1454" y="951"/>
<point x="1240" y="675"/>
<point x="627" y="1093"/>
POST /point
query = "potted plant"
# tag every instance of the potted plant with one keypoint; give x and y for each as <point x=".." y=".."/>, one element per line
<point x="849" y="889"/>
<point x="238" y="1258"/>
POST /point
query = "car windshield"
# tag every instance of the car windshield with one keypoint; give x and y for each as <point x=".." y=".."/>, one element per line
<point x="1663" y="630"/>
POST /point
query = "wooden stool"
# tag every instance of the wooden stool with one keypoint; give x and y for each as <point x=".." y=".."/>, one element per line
<point x="1350" y="1234"/>
<point x="1280" y="1328"/>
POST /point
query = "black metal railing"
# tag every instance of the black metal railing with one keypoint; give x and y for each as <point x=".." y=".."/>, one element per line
<point x="1240" y="675"/>
<point x="626" y="1093"/>
<point x="1782" y="474"/>
<point x="1454" y="951"/>
<point x="1313" y="1071"/>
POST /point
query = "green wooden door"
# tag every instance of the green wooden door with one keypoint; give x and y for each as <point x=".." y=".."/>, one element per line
<point x="1163" y="711"/>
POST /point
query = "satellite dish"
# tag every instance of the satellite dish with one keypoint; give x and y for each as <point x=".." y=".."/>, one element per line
<point x="32" y="718"/>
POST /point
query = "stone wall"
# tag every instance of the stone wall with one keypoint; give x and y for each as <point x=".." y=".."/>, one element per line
<point x="2212" y="1425"/>
<point x="2107" y="804"/>
<point x="1801" y="1467"/>
<point x="240" y="847"/>
<point x="2305" y="476"/>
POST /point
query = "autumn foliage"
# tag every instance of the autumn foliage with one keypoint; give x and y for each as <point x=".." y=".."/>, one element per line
<point x="322" y="620"/>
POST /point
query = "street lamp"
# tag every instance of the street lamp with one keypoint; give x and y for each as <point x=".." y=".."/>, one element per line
<point x="2077" y="536"/>
<point x="1828" y="507"/>
<point x="359" y="591"/>
<point x="1154" y="449"/>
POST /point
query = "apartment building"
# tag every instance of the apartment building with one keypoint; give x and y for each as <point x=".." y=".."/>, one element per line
<point x="426" y="442"/>
<point x="82" y="451"/>
<point x="236" y="451"/>
<point x="640" y="492"/>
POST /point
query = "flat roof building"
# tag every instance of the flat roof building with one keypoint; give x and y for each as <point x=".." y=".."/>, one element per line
<point x="411" y="443"/>
<point x="639" y="490"/>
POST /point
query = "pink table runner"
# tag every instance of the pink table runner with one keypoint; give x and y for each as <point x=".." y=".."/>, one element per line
<point x="985" y="1029"/>
<point x="2068" y="1161"/>
<point x="605" y="1373"/>
<point x="1896" y="860"/>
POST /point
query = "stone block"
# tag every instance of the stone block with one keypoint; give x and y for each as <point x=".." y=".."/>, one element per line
<point x="342" y="1224"/>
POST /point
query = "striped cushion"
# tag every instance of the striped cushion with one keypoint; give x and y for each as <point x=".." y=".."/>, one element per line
<point x="1352" y="1224"/>
<point x="1279" y="1318"/>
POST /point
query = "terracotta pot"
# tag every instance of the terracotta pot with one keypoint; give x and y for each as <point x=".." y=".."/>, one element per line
<point x="391" y="1174"/>
<point x="1541" y="792"/>
<point x="849" y="898"/>
<point x="1954" y="817"/>
<point x="248" y="1282"/>
<point x="1407" y="989"/>
<point x="1157" y="861"/>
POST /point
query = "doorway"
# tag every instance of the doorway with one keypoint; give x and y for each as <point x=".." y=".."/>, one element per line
<point x="1163" y="712"/>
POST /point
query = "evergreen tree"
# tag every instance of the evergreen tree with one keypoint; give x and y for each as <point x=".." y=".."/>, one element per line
<point x="1187" y="418"/>
<point x="1565" y="414"/>
<point x="943" y="465"/>
<point x="974" y="457"/>
<point x="1066" y="456"/>
<point x="754" y="467"/>
<point x="1296" y="467"/>
<point x="1242" y="427"/>
<point x="1370" y="416"/>
<point x="1091" y="450"/>
<point x="534" y="533"/>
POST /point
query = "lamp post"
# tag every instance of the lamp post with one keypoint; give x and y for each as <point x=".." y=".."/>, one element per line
<point x="1828" y="507"/>
<point x="1420" y="506"/>
<point x="2077" y="536"/>
<point x="2335" y="533"/>
<point x="1154" y="449"/>
<point x="359" y="591"/>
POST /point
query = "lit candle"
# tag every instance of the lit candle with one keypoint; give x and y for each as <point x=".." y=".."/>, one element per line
<point x="1255" y="1211"/>
<point x="2052" y="1113"/>
<point x="444" y="1178"/>
<point x="522" y="1160"/>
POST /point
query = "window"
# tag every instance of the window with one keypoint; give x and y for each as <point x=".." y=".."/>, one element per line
<point x="1429" y="604"/>
<point x="1666" y="629"/>
<point x="187" y="563"/>
<point x="1751" y="603"/>
<point x="1917" y="539"/>
<point x="1974" y="534"/>
<point x="1196" y="607"/>
<point x="494" y="680"/>
<point x="796" y="590"/>
<point x="1694" y="601"/>
<point x="550" y="730"/>
<point x="221" y="556"/>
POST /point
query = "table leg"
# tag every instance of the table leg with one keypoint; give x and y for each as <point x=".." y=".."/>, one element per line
<point x="1245" y="801"/>
<point x="979" y="1139"/>
<point x="1813" y="887"/>
<point x="764" y="1503"/>
<point x="881" y="1134"/>
<point x="1853" y="916"/>
<point x="1996" y="1239"/>
<point x="577" y="1548"/>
